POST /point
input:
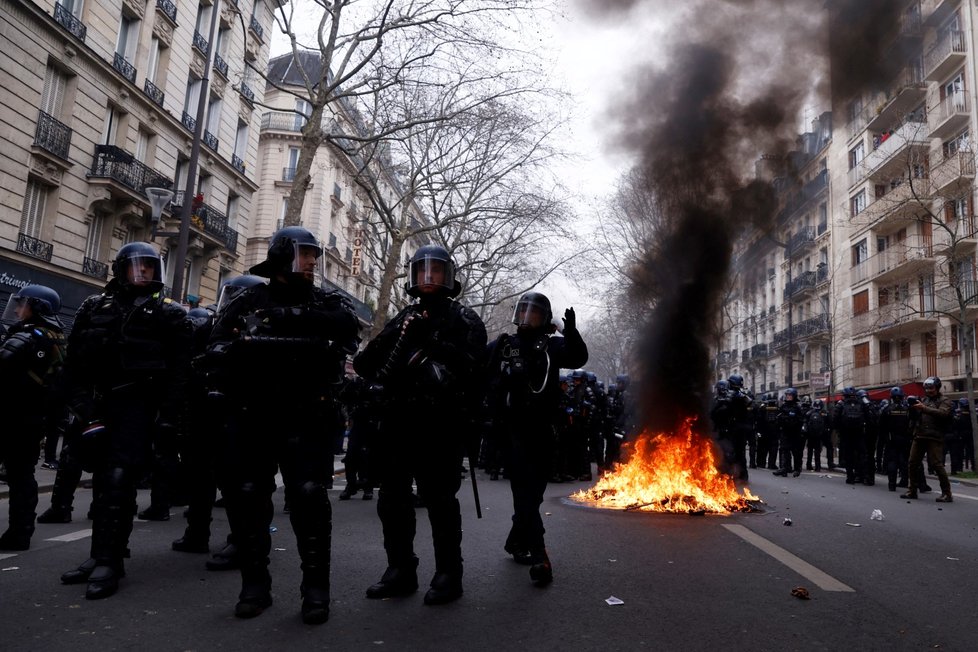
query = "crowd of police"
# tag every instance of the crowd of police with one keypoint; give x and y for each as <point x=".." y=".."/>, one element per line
<point x="889" y="437"/>
<point x="217" y="401"/>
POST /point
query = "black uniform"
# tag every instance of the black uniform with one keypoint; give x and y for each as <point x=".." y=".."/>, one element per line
<point x="297" y="337"/>
<point x="896" y="424"/>
<point x="30" y="359"/>
<point x="126" y="379"/>
<point x="816" y="423"/>
<point x="524" y="397"/>
<point x="430" y="368"/>
<point x="791" y="418"/>
<point x="850" y="419"/>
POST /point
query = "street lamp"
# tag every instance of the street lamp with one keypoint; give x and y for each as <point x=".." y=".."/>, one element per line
<point x="159" y="198"/>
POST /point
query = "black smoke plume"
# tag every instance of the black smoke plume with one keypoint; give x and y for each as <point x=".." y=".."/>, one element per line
<point x="733" y="86"/>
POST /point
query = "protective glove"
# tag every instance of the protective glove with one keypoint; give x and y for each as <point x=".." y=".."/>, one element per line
<point x="570" y="319"/>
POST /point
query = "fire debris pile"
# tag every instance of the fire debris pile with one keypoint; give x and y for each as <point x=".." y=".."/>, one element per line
<point x="670" y="472"/>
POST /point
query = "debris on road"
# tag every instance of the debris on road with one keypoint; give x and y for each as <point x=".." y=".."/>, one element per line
<point x="877" y="515"/>
<point x="613" y="601"/>
<point x="801" y="593"/>
<point x="787" y="521"/>
<point x="854" y="524"/>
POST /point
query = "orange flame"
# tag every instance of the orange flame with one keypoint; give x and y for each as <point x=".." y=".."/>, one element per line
<point x="669" y="472"/>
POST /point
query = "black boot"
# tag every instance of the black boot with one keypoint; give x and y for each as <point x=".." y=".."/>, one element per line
<point x="15" y="540"/>
<point x="256" y="592"/>
<point x="445" y="588"/>
<point x="103" y="581"/>
<point x="80" y="574"/>
<point x="541" y="572"/>
<point x="155" y="513"/>
<point x="396" y="582"/>
<point x="191" y="541"/>
<point x="368" y="494"/>
<point x="55" y="514"/>
<point x="315" y="604"/>
<point x="224" y="559"/>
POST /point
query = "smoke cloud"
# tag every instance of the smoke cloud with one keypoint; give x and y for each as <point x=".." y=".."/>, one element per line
<point x="736" y="77"/>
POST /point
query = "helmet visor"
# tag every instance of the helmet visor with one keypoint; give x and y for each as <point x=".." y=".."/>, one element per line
<point x="430" y="273"/>
<point x="308" y="263"/>
<point x="17" y="309"/>
<point x="143" y="271"/>
<point x="530" y="313"/>
<point x="228" y="294"/>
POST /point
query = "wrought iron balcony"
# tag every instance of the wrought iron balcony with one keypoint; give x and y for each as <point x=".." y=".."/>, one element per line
<point x="70" y="22"/>
<point x="247" y="93"/>
<point x="282" y="121"/>
<point x="188" y="121"/>
<point x="811" y="326"/>
<point x="92" y="267"/>
<point x="758" y="351"/>
<point x="805" y="236"/>
<point x="237" y="163"/>
<point x="221" y="66"/>
<point x="210" y="140"/>
<point x="168" y="8"/>
<point x="209" y="220"/>
<point x="34" y="247"/>
<point x="288" y="174"/>
<point x="114" y="163"/>
<point x="52" y="135"/>
<point x="153" y="92"/>
<point x="257" y="29"/>
<point x="201" y="43"/>
<point x="127" y="69"/>
<point x="804" y="281"/>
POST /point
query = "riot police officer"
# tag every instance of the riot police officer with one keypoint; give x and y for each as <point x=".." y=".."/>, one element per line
<point x="850" y="419"/>
<point x="523" y="376"/>
<point x="428" y="358"/>
<point x="126" y="383"/>
<point x="735" y="411"/>
<point x="816" y="423"/>
<point x="896" y="429"/>
<point x="31" y="357"/>
<point x="790" y="422"/>
<point x="298" y="337"/>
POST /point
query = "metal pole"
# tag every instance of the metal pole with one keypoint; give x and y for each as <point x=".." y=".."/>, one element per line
<point x="183" y="241"/>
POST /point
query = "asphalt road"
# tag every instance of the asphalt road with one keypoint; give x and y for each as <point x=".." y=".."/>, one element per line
<point x="685" y="582"/>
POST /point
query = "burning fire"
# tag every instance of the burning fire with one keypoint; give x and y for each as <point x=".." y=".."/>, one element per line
<point x="669" y="472"/>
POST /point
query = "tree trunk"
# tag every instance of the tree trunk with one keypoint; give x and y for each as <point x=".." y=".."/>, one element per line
<point x="391" y="262"/>
<point x="312" y="139"/>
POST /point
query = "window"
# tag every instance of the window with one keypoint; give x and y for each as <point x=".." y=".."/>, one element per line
<point x="223" y="38"/>
<point x="153" y="64"/>
<point x="214" y="117"/>
<point x="142" y="146"/>
<point x="192" y="97"/>
<point x="953" y="94"/>
<point x="860" y="355"/>
<point x="884" y="351"/>
<point x="857" y="203"/>
<point x="110" y="130"/>
<point x="960" y="143"/>
<point x="231" y="210"/>
<point x="860" y="252"/>
<point x="203" y="19"/>
<point x="128" y="35"/>
<point x="293" y="157"/>
<point x="855" y="111"/>
<point x="74" y="7"/>
<point x="93" y="245"/>
<point x="904" y="347"/>
<point x="856" y="155"/>
<point x="52" y="97"/>
<point x="241" y="140"/>
<point x="35" y="201"/>
<point x="303" y="110"/>
<point x="860" y="302"/>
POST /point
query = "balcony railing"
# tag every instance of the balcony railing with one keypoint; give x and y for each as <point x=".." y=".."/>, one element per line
<point x="94" y="268"/>
<point x="812" y="326"/>
<point x="52" y="135"/>
<point x="221" y="66"/>
<point x="256" y="28"/>
<point x="288" y="174"/>
<point x="894" y="372"/>
<point x="70" y="22"/>
<point x="127" y="69"/>
<point x="804" y="281"/>
<point x="189" y="121"/>
<point x="951" y="115"/>
<point x="237" y="163"/>
<point x="153" y="92"/>
<point x="201" y="43"/>
<point x="805" y="236"/>
<point x="949" y="43"/>
<point x="948" y="299"/>
<point x="115" y="163"/>
<point x="209" y="220"/>
<point x="247" y="93"/>
<point x="282" y="121"/>
<point x="210" y="140"/>
<point x="34" y="247"/>
<point x="758" y="351"/>
<point x="168" y="8"/>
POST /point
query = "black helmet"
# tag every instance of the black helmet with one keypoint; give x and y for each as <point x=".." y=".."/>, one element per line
<point x="199" y="316"/>
<point x="577" y="374"/>
<point x="849" y="391"/>
<point x="432" y="266"/>
<point x="862" y="393"/>
<point x="293" y="250"/>
<point x="532" y="311"/>
<point x="792" y="392"/>
<point x="817" y="404"/>
<point x="622" y="381"/>
<point x="896" y="393"/>
<point x="736" y="381"/>
<point x="963" y="404"/>
<point x="721" y="387"/>
<point x="42" y="300"/>
<point x="933" y="381"/>
<point x="235" y="286"/>
<point x="139" y="265"/>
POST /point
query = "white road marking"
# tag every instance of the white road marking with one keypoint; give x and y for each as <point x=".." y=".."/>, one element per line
<point x="72" y="536"/>
<point x="956" y="496"/>
<point x="7" y="555"/>
<point x="823" y="580"/>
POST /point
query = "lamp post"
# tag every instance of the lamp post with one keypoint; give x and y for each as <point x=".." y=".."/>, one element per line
<point x="158" y="200"/>
<point x="183" y="238"/>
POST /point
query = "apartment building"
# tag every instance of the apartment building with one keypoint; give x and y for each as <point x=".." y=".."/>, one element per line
<point x="892" y="297"/>
<point x="336" y="209"/>
<point x="777" y="319"/>
<point x="100" y="102"/>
